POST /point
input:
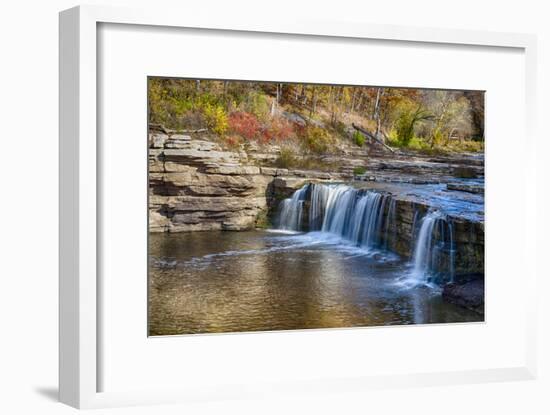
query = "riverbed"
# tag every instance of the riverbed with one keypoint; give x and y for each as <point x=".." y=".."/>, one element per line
<point x="212" y="282"/>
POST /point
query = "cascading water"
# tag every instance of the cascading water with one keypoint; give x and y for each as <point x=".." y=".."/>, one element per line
<point x="319" y="197"/>
<point x="355" y="215"/>
<point x="423" y="253"/>
<point x="339" y="208"/>
<point x="435" y="238"/>
<point x="290" y="217"/>
<point x="372" y="230"/>
<point x="367" y="219"/>
<point x="391" y="225"/>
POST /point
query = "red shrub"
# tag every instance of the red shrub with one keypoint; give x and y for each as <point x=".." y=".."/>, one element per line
<point x="244" y="124"/>
<point x="278" y="130"/>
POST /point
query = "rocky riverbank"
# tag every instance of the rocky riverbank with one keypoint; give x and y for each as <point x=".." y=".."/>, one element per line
<point x="195" y="184"/>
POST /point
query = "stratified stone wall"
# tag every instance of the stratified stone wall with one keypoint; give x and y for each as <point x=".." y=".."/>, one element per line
<point x="195" y="185"/>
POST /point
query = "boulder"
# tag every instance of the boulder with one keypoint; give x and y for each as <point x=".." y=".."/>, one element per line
<point x="470" y="295"/>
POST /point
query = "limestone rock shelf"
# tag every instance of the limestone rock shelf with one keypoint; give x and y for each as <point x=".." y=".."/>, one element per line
<point x="195" y="185"/>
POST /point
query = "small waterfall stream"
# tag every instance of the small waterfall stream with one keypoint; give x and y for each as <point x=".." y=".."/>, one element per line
<point x="290" y="217"/>
<point x="423" y="257"/>
<point x="354" y="215"/>
<point x="435" y="238"/>
<point x="367" y="219"/>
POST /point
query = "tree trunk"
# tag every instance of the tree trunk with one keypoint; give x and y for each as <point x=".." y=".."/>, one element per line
<point x="377" y="105"/>
<point x="352" y="105"/>
<point x="313" y="102"/>
<point x="372" y="137"/>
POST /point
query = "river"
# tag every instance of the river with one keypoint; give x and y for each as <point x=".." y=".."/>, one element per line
<point x="212" y="282"/>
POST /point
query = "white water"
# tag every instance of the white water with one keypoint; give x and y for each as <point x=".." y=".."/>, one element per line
<point x="435" y="235"/>
<point x="292" y="210"/>
<point x="423" y="257"/>
<point x="353" y="215"/>
<point x="319" y="197"/>
<point x="390" y="226"/>
<point x="367" y="220"/>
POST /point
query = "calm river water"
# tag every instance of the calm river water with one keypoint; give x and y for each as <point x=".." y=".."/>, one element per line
<point x="211" y="282"/>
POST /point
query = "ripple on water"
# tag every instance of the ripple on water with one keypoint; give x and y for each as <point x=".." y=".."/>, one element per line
<point x="247" y="281"/>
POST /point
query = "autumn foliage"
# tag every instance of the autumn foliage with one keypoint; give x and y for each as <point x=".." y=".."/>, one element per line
<point x="244" y="124"/>
<point x="278" y="130"/>
<point x="319" y="119"/>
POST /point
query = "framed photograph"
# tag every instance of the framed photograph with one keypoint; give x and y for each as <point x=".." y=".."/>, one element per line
<point x="335" y="218"/>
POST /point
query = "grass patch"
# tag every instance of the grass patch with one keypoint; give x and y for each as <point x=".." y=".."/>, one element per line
<point x="359" y="138"/>
<point x="359" y="170"/>
<point x="286" y="159"/>
<point x="262" y="220"/>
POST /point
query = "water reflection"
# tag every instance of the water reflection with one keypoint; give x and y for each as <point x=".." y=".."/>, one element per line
<point x="210" y="282"/>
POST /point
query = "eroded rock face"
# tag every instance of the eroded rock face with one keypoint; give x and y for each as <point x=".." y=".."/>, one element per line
<point x="195" y="185"/>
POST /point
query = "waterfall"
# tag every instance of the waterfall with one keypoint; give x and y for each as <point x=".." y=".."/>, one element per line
<point x="368" y="219"/>
<point x="339" y="209"/>
<point x="355" y="215"/>
<point x="358" y="216"/>
<point x="391" y="225"/>
<point x="373" y="219"/>
<point x="435" y="238"/>
<point x="319" y="197"/>
<point x="290" y="216"/>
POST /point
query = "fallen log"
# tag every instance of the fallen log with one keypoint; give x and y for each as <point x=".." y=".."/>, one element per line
<point x="372" y="137"/>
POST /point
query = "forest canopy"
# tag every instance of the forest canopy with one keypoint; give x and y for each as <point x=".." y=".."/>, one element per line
<point x="320" y="118"/>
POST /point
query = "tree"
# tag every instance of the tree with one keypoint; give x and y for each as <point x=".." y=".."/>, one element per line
<point x="410" y="113"/>
<point x="451" y="115"/>
<point x="476" y="101"/>
<point x="435" y="117"/>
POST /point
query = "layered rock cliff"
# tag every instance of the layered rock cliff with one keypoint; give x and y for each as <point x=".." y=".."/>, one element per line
<point x="195" y="185"/>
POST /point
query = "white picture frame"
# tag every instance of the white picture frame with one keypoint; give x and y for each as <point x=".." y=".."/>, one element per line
<point x="79" y="313"/>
